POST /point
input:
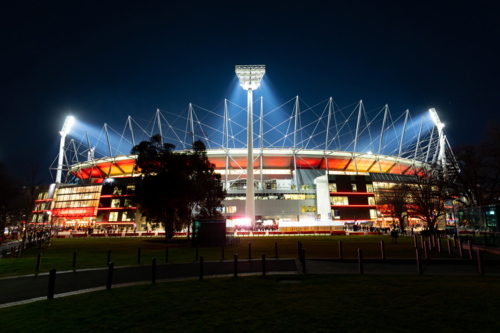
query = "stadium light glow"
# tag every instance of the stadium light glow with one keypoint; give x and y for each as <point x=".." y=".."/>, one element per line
<point x="70" y="120"/>
<point x="250" y="75"/>
<point x="435" y="118"/>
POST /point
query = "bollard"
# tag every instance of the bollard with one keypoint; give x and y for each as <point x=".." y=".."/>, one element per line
<point x="470" y="250"/>
<point x="153" y="271"/>
<point x="422" y="241"/>
<point x="480" y="262"/>
<point x="263" y="264"/>
<point x="449" y="247"/>
<point x="222" y="252"/>
<point x="109" y="257"/>
<point x="166" y="254"/>
<point x="419" y="262"/>
<point x="39" y="262"/>
<point x="415" y="241"/>
<point x="454" y="241"/>
<point x="360" y="261"/>
<point x="276" y="249"/>
<point x="303" y="255"/>
<point x="201" y="268"/>
<point x="425" y="251"/>
<point x="460" y="249"/>
<point x="382" y="249"/>
<point x="430" y="244"/>
<point x="433" y="241"/>
<point x="236" y="265"/>
<point x="439" y="244"/>
<point x="249" y="251"/>
<point x="196" y="252"/>
<point x="74" y="260"/>
<point x="340" y="249"/>
<point x="110" y="276"/>
<point x="52" y="283"/>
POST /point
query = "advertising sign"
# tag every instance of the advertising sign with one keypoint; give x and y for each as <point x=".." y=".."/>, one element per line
<point x="75" y="212"/>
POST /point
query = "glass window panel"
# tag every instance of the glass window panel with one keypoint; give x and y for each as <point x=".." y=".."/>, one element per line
<point x="113" y="216"/>
<point x="371" y="201"/>
<point x="115" y="203"/>
<point x="369" y="188"/>
<point x="354" y="188"/>
<point x="373" y="214"/>
<point x="332" y="187"/>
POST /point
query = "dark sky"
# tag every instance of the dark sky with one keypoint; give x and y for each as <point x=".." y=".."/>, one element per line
<point x="103" y="60"/>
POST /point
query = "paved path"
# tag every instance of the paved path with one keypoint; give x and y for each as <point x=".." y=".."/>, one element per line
<point x="22" y="288"/>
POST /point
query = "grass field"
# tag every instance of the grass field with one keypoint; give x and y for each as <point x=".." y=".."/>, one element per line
<point x="319" y="304"/>
<point x="92" y="253"/>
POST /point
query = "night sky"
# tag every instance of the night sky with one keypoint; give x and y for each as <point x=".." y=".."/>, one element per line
<point x="102" y="61"/>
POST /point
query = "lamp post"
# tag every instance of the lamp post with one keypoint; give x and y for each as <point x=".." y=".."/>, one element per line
<point x="70" y="120"/>
<point x="250" y="77"/>
<point x="439" y="125"/>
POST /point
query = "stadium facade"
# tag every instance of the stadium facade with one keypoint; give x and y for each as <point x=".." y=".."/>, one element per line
<point x="296" y="185"/>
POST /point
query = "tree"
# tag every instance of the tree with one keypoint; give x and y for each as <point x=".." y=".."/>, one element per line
<point x="9" y="196"/>
<point x="396" y="200"/>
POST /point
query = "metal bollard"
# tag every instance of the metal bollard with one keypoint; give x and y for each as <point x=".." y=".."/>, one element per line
<point x="382" y="249"/>
<point x="236" y="265"/>
<point x="139" y="256"/>
<point x="460" y="249"/>
<point x="276" y="249"/>
<point x="52" y="283"/>
<point x="419" y="262"/>
<point x="263" y="264"/>
<point x="201" y="268"/>
<point x="415" y="241"/>
<point x="38" y="262"/>
<point x="340" y="249"/>
<point x="480" y="265"/>
<point x="74" y="260"/>
<point x="425" y="251"/>
<point x="196" y="252"/>
<point x="422" y="241"/>
<point x="109" y="257"/>
<point x="470" y="250"/>
<point x="433" y="241"/>
<point x="166" y="254"/>
<point x="439" y="244"/>
<point x="222" y="252"/>
<point x="249" y="251"/>
<point x="449" y="247"/>
<point x="303" y="252"/>
<point x="430" y="244"/>
<point x="360" y="261"/>
<point x="110" y="276"/>
<point x="454" y="241"/>
<point x="153" y="271"/>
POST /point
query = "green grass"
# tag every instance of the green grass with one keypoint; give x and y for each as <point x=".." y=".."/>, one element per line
<point x="318" y="304"/>
<point x="92" y="253"/>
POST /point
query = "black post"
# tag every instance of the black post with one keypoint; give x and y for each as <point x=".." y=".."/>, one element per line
<point x="460" y="249"/>
<point x="249" y="251"/>
<point x="236" y="265"/>
<point x="449" y="247"/>
<point x="263" y="264"/>
<point x="222" y="252"/>
<point x="430" y="244"/>
<point x="38" y="262"/>
<point x="470" y="250"/>
<point x="196" y="252"/>
<point x="139" y="256"/>
<point x="480" y="262"/>
<point x="52" y="283"/>
<point x="166" y="254"/>
<point x="419" y="262"/>
<point x="422" y="241"/>
<point x="425" y="251"/>
<point x="360" y="261"/>
<point x="454" y="241"/>
<point x="433" y="241"/>
<point x="303" y="252"/>
<point x="153" y="271"/>
<point x="74" y="260"/>
<point x="340" y="249"/>
<point x="201" y="268"/>
<point x="110" y="276"/>
<point x="276" y="249"/>
<point x="415" y="241"/>
<point x="439" y="244"/>
<point x="109" y="257"/>
<point x="382" y="249"/>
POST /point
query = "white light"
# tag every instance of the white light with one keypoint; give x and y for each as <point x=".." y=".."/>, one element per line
<point x="250" y="75"/>
<point x="435" y="118"/>
<point x="242" y="221"/>
<point x="369" y="153"/>
<point x="70" y="120"/>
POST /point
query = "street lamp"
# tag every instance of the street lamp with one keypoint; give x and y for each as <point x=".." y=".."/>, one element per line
<point x="250" y="77"/>
<point x="70" y="120"/>
<point x="439" y="125"/>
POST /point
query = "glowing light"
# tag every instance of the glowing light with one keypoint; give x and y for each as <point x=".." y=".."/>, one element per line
<point x="242" y="221"/>
<point x="70" y="120"/>
<point x="435" y="118"/>
<point x="250" y="75"/>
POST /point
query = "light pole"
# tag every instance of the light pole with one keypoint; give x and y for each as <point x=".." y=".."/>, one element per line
<point x="439" y="125"/>
<point x="250" y="77"/>
<point x="65" y="130"/>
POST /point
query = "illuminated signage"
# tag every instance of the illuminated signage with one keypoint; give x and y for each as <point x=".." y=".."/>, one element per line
<point x="72" y="212"/>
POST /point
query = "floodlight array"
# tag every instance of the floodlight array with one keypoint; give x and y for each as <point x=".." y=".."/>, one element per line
<point x="250" y="75"/>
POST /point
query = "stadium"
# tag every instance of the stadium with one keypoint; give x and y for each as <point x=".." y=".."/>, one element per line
<point x="313" y="167"/>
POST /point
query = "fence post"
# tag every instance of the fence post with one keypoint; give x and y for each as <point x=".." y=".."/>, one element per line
<point x="222" y="252"/>
<point x="340" y="249"/>
<point x="249" y="251"/>
<point x="382" y="249"/>
<point x="425" y="251"/>
<point x="263" y="264"/>
<point x="236" y="265"/>
<point x="470" y="250"/>
<point x="201" y="268"/>
<point x="430" y="244"/>
<point x="439" y="244"/>
<point x="196" y="252"/>
<point x="109" y="257"/>
<point x="38" y="262"/>
<point x="74" y="260"/>
<point x="303" y="252"/>
<point x="434" y="241"/>
<point x="166" y="254"/>
<point x="448" y="243"/>
<point x="52" y="283"/>
<point x="110" y="276"/>
<point x="276" y="249"/>
<point x="460" y="249"/>
<point x="422" y="241"/>
<point x="419" y="262"/>
<point x="153" y="271"/>
<point x="415" y="241"/>
<point x="480" y="262"/>
<point x="360" y="261"/>
<point x="454" y="241"/>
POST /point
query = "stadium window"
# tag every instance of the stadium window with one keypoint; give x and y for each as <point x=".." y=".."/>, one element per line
<point x="369" y="188"/>
<point x="115" y="203"/>
<point x="113" y="216"/>
<point x="34" y="218"/>
<point x="40" y="196"/>
<point x="127" y="216"/>
<point x="332" y="187"/>
<point x="335" y="214"/>
<point x="354" y="188"/>
<point x="343" y="201"/>
<point x="40" y="218"/>
<point x="128" y="203"/>
<point x="373" y="214"/>
<point x="305" y="187"/>
<point x="371" y="201"/>
<point x="130" y="189"/>
<point x="45" y="195"/>
<point x="308" y="209"/>
<point x="231" y="209"/>
<point x="117" y="191"/>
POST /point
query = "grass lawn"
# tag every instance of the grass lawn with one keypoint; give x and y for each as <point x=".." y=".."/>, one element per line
<point x="319" y="303"/>
<point x="92" y="253"/>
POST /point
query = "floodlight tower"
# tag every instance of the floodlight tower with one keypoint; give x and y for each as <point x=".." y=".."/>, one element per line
<point x="250" y="77"/>
<point x="439" y="125"/>
<point x="70" y="120"/>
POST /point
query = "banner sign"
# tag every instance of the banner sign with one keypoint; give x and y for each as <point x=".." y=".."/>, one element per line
<point x="75" y="212"/>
